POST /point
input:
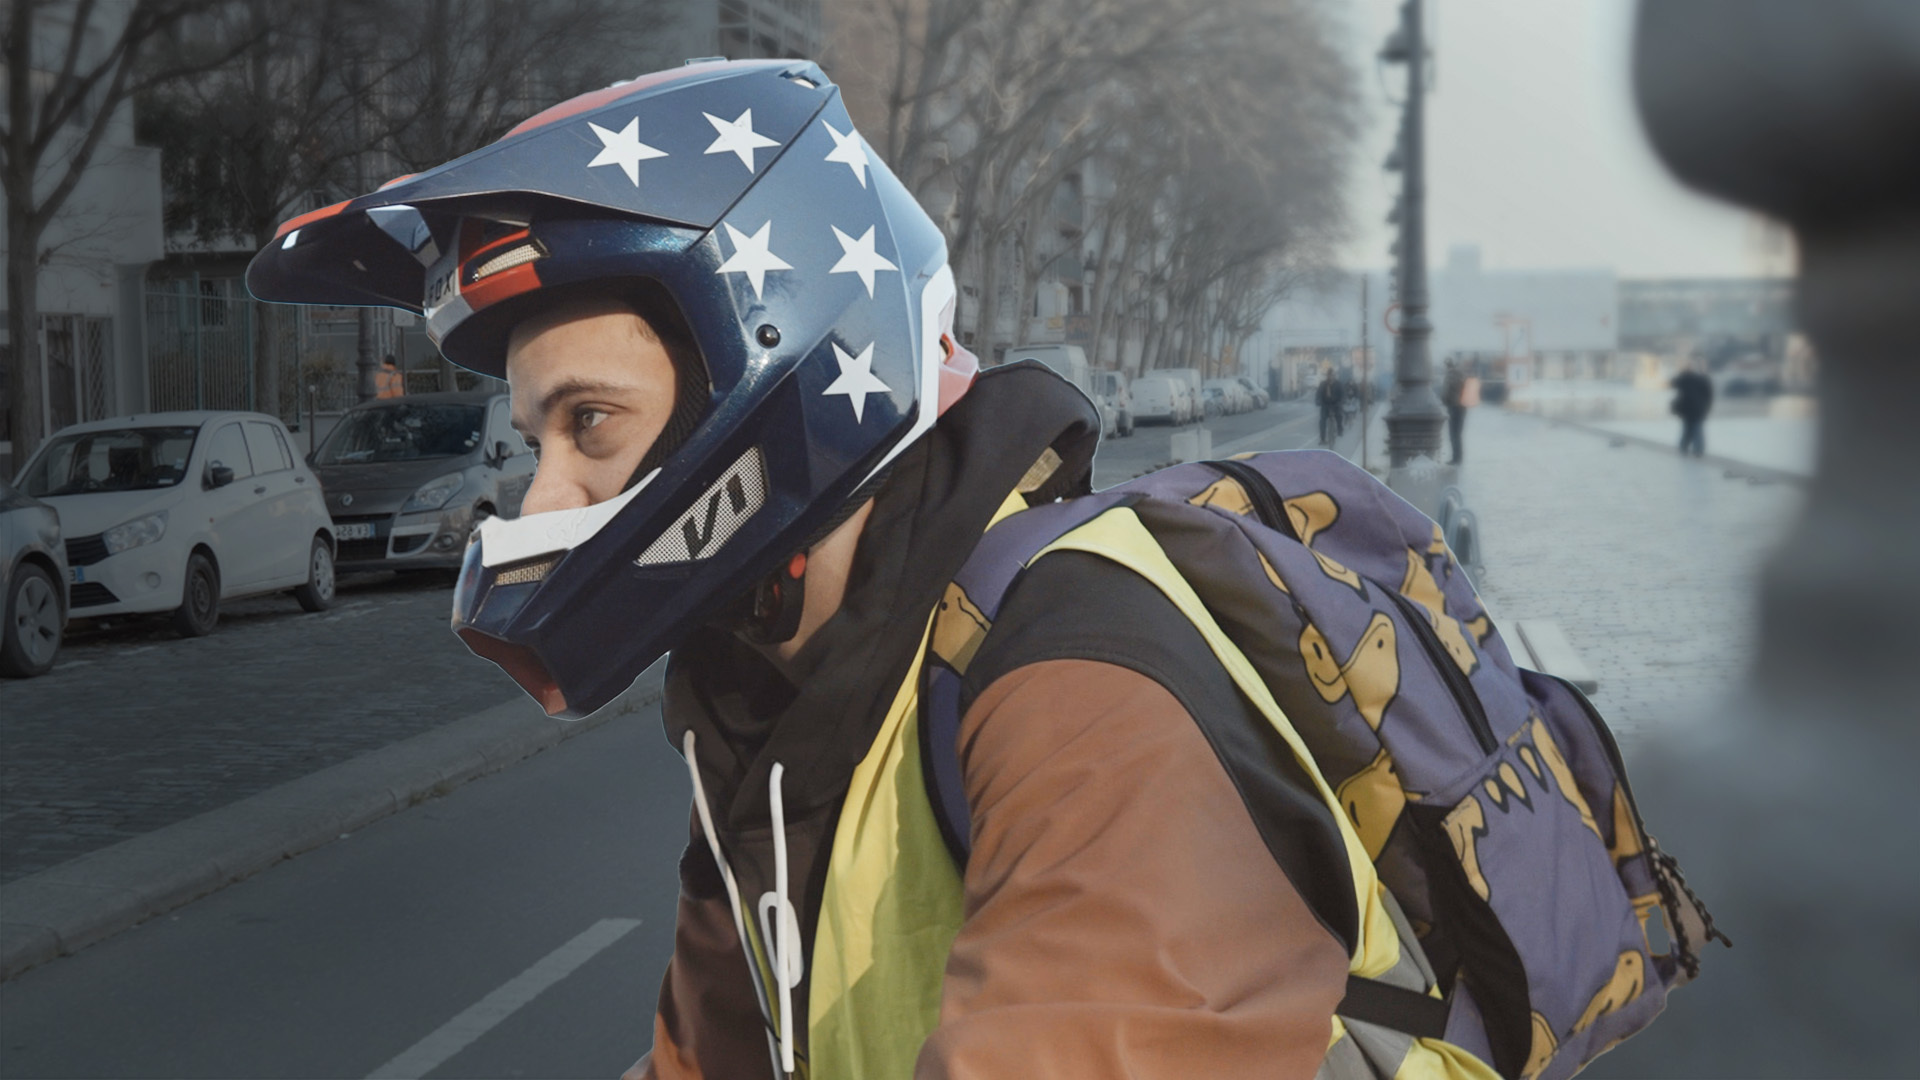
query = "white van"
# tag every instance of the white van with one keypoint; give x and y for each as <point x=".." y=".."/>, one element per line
<point x="1070" y="363"/>
<point x="1194" y="388"/>
<point x="1161" y="399"/>
<point x="1114" y="395"/>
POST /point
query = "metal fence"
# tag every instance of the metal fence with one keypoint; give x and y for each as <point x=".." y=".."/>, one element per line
<point x="211" y="346"/>
<point x="200" y="348"/>
<point x="79" y="355"/>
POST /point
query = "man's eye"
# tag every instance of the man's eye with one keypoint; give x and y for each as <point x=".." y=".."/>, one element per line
<point x="588" y="418"/>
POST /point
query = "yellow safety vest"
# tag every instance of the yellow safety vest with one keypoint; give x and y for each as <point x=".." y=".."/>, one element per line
<point x="893" y="901"/>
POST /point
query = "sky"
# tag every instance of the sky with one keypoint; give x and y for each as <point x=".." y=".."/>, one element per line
<point x="1535" y="152"/>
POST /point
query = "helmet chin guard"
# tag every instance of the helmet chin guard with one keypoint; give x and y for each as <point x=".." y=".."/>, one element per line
<point x="815" y="289"/>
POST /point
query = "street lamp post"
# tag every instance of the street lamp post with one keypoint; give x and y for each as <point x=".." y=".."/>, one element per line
<point x="1416" y="416"/>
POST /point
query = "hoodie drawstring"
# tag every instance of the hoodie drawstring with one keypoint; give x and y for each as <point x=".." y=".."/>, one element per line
<point x="783" y="936"/>
<point x="733" y="890"/>
<point x="786" y="958"/>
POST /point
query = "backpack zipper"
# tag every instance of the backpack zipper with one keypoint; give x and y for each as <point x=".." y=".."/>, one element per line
<point x="1450" y="672"/>
<point x="1267" y="504"/>
<point x="1271" y="510"/>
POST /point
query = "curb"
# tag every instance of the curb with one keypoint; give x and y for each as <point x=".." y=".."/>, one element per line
<point x="1745" y="469"/>
<point x="65" y="908"/>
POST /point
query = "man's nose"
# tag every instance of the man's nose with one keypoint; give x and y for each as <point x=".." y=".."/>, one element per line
<point x="553" y="489"/>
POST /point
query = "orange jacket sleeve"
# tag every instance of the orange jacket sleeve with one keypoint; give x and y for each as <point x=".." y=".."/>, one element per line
<point x="1123" y="917"/>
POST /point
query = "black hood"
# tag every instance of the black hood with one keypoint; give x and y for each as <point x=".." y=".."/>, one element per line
<point x="925" y="522"/>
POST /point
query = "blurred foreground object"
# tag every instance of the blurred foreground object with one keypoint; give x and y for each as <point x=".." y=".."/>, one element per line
<point x="1794" y="803"/>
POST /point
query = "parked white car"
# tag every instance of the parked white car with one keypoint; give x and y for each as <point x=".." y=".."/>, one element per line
<point x="177" y="511"/>
<point x="1234" y="398"/>
<point x="1260" y="397"/>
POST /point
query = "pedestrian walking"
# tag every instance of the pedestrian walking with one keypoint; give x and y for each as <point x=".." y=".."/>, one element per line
<point x="1050" y="827"/>
<point x="1327" y="397"/>
<point x="1453" y="394"/>
<point x="1692" y="400"/>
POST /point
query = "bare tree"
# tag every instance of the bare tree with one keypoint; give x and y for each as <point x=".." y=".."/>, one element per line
<point x="461" y="73"/>
<point x="245" y="145"/>
<point x="1218" y="130"/>
<point x="61" y="98"/>
<point x="472" y="69"/>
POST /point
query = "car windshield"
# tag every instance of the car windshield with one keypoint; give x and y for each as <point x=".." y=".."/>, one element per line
<point x="125" y="459"/>
<point x="403" y="432"/>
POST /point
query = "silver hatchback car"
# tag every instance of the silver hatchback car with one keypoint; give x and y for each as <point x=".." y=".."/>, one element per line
<point x="408" y="478"/>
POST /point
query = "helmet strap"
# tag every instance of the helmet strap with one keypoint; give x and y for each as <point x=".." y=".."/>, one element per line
<point x="769" y="613"/>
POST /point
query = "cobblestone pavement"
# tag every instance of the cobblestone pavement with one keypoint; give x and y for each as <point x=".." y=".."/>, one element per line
<point x="136" y="728"/>
<point x="1647" y="560"/>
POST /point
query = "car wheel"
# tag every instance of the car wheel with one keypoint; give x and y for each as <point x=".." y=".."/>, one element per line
<point x="199" y="608"/>
<point x="33" y="624"/>
<point x="317" y="593"/>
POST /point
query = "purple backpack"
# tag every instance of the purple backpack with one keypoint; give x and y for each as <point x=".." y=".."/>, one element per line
<point x="1492" y="799"/>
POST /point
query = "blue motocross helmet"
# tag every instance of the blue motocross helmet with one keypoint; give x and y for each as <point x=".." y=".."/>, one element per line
<point x="814" y="291"/>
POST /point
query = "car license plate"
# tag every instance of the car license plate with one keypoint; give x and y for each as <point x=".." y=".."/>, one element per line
<point x="357" y="531"/>
<point x="76" y="574"/>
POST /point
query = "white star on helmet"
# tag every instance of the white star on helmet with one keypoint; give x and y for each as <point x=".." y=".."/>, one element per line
<point x="737" y="137"/>
<point x="856" y="379"/>
<point x="751" y="255"/>
<point x="624" y="148"/>
<point x="858" y="257"/>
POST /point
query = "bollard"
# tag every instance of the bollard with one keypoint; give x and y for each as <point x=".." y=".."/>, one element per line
<point x="1792" y="807"/>
<point x="1195" y="444"/>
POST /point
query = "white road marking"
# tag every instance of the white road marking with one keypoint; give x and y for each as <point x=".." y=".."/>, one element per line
<point x="484" y="1015"/>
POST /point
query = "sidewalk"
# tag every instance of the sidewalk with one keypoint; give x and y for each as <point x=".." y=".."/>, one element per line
<point x="1647" y="560"/>
<point x="1775" y="434"/>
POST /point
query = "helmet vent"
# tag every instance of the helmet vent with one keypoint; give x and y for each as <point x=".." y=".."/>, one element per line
<point x="507" y="260"/>
<point x="534" y="570"/>
<point x="715" y="516"/>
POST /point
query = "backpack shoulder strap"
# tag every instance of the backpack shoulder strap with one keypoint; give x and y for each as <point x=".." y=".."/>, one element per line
<point x="960" y="624"/>
<point x="972" y="603"/>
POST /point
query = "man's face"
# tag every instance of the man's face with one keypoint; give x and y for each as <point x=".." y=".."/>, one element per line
<point x="592" y="389"/>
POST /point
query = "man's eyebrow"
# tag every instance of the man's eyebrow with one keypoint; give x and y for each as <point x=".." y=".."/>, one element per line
<point x="570" y="387"/>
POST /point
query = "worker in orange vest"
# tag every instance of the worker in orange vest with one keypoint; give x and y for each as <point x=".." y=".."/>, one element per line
<point x="388" y="382"/>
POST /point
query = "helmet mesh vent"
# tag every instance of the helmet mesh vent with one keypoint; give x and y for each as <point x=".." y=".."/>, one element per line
<point x="507" y="260"/>
<point x="715" y="516"/>
<point x="526" y="572"/>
